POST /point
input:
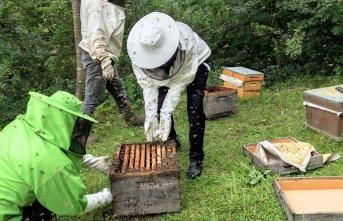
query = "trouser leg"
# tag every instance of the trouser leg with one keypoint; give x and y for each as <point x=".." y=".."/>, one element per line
<point x="95" y="85"/>
<point x="37" y="212"/>
<point x="161" y="96"/>
<point x="117" y="89"/>
<point x="196" y="115"/>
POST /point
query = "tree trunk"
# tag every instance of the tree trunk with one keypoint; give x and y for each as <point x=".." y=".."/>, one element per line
<point x="80" y="72"/>
<point x="134" y="11"/>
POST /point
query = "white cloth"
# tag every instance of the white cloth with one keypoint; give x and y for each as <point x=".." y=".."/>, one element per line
<point x="97" y="200"/>
<point x="102" y="29"/>
<point x="297" y="155"/>
<point x="97" y="163"/>
<point x="197" y="51"/>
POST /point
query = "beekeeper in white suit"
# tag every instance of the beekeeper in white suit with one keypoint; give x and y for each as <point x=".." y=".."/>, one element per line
<point x="167" y="57"/>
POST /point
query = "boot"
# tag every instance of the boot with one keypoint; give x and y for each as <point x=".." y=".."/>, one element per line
<point x="129" y="116"/>
<point x="194" y="170"/>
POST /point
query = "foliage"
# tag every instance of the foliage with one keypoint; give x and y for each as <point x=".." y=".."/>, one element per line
<point x="283" y="39"/>
<point x="256" y="176"/>
<point x="36" y="51"/>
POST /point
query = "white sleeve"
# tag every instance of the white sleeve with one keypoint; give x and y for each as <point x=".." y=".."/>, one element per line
<point x="150" y="93"/>
<point x="96" y="32"/>
<point x="177" y="85"/>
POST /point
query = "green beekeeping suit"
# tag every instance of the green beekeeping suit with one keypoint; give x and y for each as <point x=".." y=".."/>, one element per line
<point x="37" y="160"/>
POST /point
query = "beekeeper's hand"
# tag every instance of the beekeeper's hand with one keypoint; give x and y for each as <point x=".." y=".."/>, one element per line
<point x="96" y="200"/>
<point x="98" y="163"/>
<point x="165" y="125"/>
<point x="108" y="69"/>
<point x="151" y="129"/>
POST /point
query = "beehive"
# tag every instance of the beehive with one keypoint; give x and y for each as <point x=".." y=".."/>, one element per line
<point x="324" y="110"/>
<point x="145" y="179"/>
<point x="251" y="81"/>
<point x="278" y="166"/>
<point x="219" y="101"/>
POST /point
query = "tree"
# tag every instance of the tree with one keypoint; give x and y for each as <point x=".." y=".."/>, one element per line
<point x="80" y="73"/>
<point x="134" y="11"/>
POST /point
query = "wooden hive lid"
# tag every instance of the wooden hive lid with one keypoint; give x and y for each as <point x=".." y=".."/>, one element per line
<point x="327" y="97"/>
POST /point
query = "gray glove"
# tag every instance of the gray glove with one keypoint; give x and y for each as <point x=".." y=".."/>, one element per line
<point x="98" y="163"/>
<point x="108" y="69"/>
<point x="97" y="200"/>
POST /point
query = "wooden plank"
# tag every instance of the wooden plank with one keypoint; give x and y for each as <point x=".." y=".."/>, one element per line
<point x="126" y="159"/>
<point x="137" y="156"/>
<point x="148" y="160"/>
<point x="159" y="155"/>
<point x="153" y="157"/>
<point x="142" y="164"/>
<point x="164" y="151"/>
<point x="132" y="156"/>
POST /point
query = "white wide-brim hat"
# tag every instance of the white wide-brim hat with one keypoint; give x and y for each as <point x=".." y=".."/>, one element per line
<point x="153" y="40"/>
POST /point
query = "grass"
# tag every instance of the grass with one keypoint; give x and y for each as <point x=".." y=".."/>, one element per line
<point x="224" y="191"/>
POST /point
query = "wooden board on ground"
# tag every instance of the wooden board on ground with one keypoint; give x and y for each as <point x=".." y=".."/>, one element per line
<point x="311" y="198"/>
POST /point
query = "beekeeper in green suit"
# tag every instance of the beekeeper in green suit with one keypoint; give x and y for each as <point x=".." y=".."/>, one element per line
<point x="41" y="154"/>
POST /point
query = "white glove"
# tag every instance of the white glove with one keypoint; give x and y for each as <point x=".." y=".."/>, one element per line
<point x="151" y="130"/>
<point x="96" y="200"/>
<point x="98" y="163"/>
<point x="107" y="69"/>
<point x="165" y="126"/>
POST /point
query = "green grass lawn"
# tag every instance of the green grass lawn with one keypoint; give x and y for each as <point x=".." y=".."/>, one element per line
<point x="224" y="191"/>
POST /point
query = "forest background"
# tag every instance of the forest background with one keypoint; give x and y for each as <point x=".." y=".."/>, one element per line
<point x="283" y="39"/>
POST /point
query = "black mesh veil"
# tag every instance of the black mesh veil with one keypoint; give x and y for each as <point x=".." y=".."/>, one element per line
<point x="80" y="135"/>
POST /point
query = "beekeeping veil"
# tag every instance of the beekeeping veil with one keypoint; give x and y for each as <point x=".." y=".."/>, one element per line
<point x="59" y="120"/>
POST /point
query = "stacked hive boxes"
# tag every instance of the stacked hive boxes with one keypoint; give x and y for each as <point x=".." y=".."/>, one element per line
<point x="324" y="111"/>
<point x="247" y="82"/>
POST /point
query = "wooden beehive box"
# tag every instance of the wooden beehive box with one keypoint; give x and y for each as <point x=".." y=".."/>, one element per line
<point x="277" y="165"/>
<point x="252" y="81"/>
<point x="145" y="179"/>
<point x="219" y="101"/>
<point x="311" y="198"/>
<point x="324" y="107"/>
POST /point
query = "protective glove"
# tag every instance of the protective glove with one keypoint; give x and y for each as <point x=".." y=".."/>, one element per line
<point x="165" y="126"/>
<point x="108" y="69"/>
<point x="151" y="130"/>
<point x="96" y="200"/>
<point x="98" y="163"/>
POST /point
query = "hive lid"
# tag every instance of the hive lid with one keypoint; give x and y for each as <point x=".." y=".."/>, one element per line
<point x="244" y="71"/>
<point x="327" y="93"/>
<point x="310" y="198"/>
